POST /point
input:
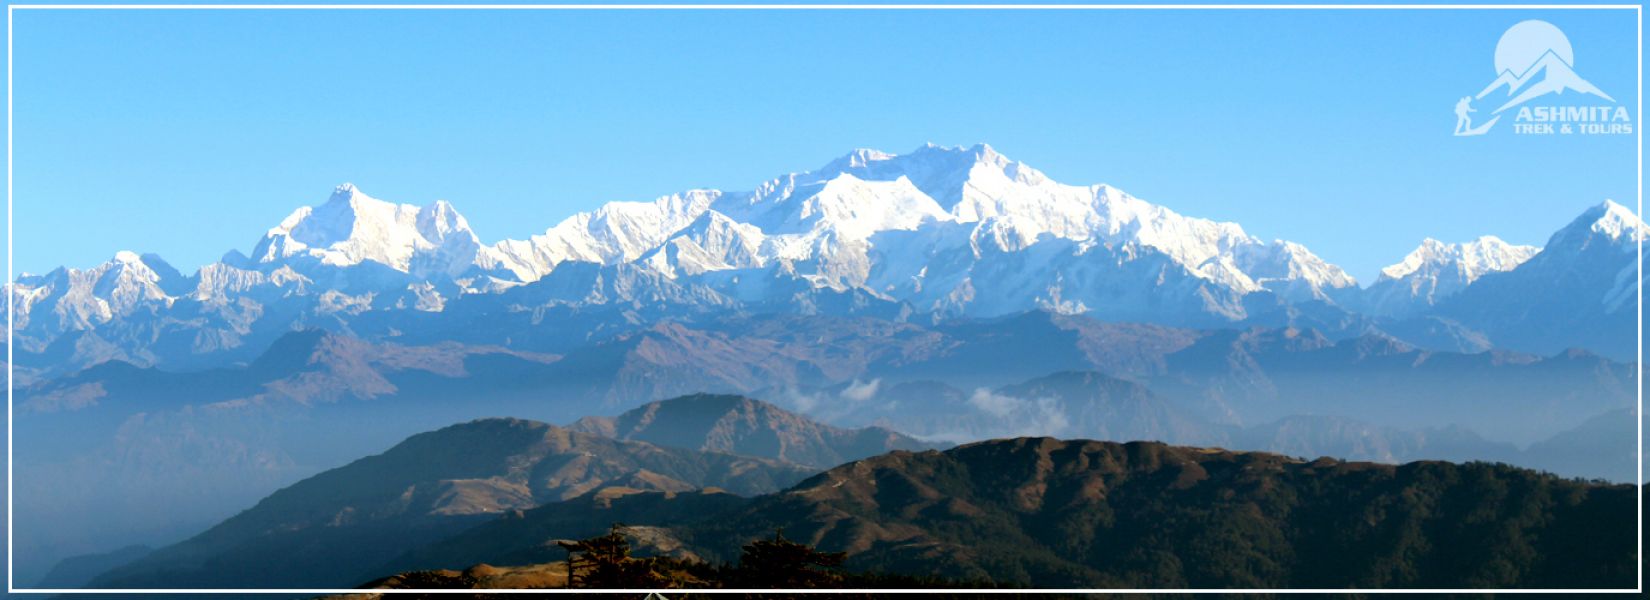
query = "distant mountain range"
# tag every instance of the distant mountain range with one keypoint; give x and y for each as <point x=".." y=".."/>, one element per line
<point x="936" y="234"/>
<point x="1017" y="512"/>
<point x="881" y="302"/>
<point x="105" y="451"/>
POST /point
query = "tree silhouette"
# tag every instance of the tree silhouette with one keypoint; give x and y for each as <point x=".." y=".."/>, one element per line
<point x="781" y="563"/>
<point x="604" y="562"/>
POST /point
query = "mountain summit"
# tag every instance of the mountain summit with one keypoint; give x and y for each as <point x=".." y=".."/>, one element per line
<point x="1608" y="223"/>
<point x="1581" y="290"/>
<point x="433" y="241"/>
<point x="1437" y="270"/>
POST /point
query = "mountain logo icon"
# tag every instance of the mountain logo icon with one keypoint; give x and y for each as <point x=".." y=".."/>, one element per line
<point x="1533" y="59"/>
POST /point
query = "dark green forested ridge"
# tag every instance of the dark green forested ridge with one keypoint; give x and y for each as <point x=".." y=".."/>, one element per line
<point x="1041" y="512"/>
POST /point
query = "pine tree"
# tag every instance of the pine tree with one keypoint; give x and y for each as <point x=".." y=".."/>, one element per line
<point x="604" y="562"/>
<point x="781" y="563"/>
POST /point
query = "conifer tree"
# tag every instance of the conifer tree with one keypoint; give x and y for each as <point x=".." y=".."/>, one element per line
<point x="782" y="563"/>
<point x="604" y="562"/>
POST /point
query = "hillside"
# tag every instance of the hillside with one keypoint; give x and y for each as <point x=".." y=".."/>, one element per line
<point x="325" y="530"/>
<point x="1049" y="513"/>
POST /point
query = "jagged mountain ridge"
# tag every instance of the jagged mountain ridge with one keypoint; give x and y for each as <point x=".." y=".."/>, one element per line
<point x="936" y="233"/>
<point x="1436" y="270"/>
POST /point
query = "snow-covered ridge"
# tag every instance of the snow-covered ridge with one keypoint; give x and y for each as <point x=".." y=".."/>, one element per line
<point x="1470" y="260"/>
<point x="845" y="218"/>
<point x="1615" y="224"/>
<point x="1436" y="270"/>
<point x="943" y="230"/>
<point x="841" y="220"/>
<point x="352" y="228"/>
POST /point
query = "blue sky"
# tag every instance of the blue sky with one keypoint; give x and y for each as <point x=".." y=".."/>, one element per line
<point x="188" y="133"/>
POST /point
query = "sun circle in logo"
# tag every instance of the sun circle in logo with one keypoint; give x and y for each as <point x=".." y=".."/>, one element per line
<point x="1524" y="44"/>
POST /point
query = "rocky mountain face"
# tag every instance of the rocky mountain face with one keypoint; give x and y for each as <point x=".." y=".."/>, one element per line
<point x="739" y="425"/>
<point x="1050" y="513"/>
<point x="334" y="524"/>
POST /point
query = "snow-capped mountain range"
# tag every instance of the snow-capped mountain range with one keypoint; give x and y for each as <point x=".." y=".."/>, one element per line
<point x="936" y="233"/>
<point x="868" y="211"/>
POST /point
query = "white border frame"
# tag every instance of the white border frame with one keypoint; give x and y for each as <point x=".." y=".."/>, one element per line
<point x="10" y="277"/>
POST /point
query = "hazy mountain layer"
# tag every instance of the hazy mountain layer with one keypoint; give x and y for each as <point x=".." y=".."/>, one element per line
<point x="739" y="425"/>
<point x="103" y="453"/>
<point x="331" y="526"/>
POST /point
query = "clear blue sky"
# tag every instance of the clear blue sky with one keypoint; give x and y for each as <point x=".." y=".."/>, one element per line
<point x="189" y="133"/>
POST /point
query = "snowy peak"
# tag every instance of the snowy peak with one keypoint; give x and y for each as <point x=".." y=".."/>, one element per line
<point x="128" y="279"/>
<point x="439" y="220"/>
<point x="999" y="195"/>
<point x="352" y="228"/>
<point x="948" y="175"/>
<point x="859" y="158"/>
<point x="1291" y="271"/>
<point x="858" y="208"/>
<point x="83" y="298"/>
<point x="713" y="242"/>
<point x="1436" y="270"/>
<point x="617" y="232"/>
<point x="1607" y="222"/>
<point x="347" y="192"/>
<point x="1468" y="261"/>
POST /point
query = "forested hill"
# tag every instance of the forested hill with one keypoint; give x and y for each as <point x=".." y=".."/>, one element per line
<point x="1043" y="512"/>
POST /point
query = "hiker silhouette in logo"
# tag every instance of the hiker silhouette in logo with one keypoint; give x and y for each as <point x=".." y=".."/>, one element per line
<point x="1463" y="123"/>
